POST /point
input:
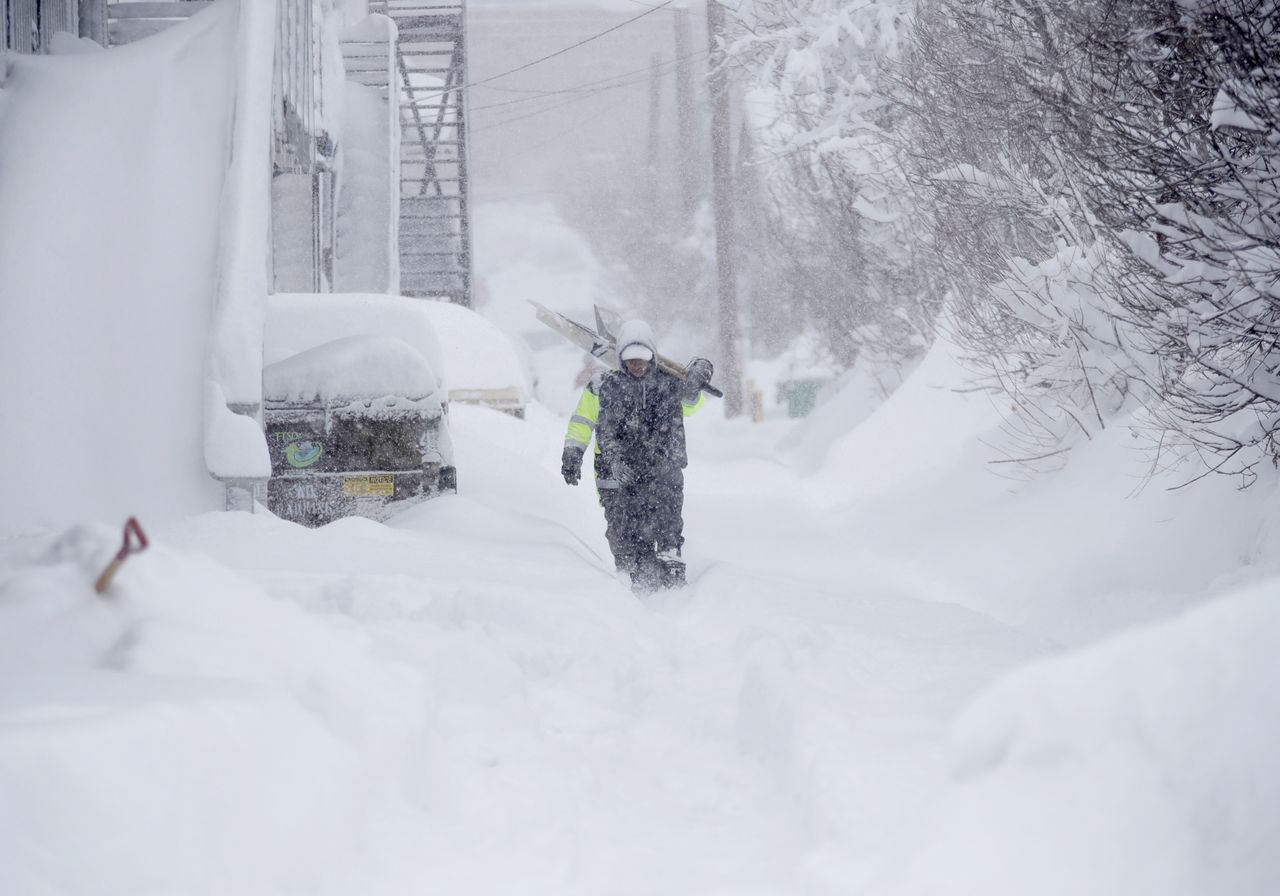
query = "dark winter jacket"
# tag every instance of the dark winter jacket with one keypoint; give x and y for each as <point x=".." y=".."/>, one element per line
<point x="642" y="421"/>
<point x="638" y="422"/>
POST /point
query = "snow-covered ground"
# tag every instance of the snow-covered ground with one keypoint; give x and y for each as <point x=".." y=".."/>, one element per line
<point x="893" y="672"/>
<point x="467" y="699"/>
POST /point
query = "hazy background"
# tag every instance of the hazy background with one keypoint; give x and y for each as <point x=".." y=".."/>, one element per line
<point x="528" y="141"/>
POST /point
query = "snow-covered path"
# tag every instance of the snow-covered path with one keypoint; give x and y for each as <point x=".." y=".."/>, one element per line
<point x="465" y="700"/>
<point x="770" y="729"/>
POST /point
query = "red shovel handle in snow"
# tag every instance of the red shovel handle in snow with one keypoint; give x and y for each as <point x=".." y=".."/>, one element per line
<point x="135" y="541"/>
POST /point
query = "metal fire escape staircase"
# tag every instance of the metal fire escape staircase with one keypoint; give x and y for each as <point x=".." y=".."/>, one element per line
<point x="435" y="213"/>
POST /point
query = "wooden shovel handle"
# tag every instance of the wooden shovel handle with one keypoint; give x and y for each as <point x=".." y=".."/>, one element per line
<point x="134" y="541"/>
<point x="108" y="574"/>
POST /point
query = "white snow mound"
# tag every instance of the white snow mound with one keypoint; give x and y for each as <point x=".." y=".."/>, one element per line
<point x="1143" y="765"/>
<point x="186" y="726"/>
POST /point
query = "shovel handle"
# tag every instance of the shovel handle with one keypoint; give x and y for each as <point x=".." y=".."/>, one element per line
<point x="134" y="540"/>
<point x="108" y="574"/>
<point x="681" y="371"/>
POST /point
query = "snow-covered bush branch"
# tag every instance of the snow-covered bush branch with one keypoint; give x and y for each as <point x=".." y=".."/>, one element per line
<point x="1141" y="135"/>
<point x="837" y="211"/>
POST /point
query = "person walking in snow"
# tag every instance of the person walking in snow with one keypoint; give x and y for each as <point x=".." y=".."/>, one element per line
<point x="637" y="416"/>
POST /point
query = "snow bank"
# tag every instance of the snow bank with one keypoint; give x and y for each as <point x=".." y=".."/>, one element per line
<point x="233" y="443"/>
<point x="925" y="430"/>
<point x="1144" y="765"/>
<point x="187" y="727"/>
<point x="112" y="176"/>
<point x="1110" y="540"/>
<point x="842" y="405"/>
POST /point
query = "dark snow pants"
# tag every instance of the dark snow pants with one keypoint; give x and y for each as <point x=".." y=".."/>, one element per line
<point x="644" y="519"/>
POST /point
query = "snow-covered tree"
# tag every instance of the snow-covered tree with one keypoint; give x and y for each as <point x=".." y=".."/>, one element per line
<point x="1184" y="169"/>
<point x="837" y="211"/>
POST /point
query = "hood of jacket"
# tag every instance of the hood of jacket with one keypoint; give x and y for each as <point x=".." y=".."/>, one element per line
<point x="636" y="332"/>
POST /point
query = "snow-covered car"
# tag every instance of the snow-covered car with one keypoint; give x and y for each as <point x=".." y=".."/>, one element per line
<point x="482" y="364"/>
<point x="354" y="407"/>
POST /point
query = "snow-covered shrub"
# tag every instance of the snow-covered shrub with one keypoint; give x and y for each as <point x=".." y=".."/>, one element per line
<point x="1145" y="136"/>
<point x="1054" y="344"/>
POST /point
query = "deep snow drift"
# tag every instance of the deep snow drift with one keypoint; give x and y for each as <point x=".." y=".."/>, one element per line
<point x="893" y="673"/>
<point x="112" y="174"/>
<point x="529" y="723"/>
<point x="467" y="697"/>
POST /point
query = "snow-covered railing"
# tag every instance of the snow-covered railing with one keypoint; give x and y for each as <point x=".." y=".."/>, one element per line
<point x="235" y="448"/>
<point x="368" y="211"/>
<point x="299" y="143"/>
<point x="26" y="26"/>
<point x="307" y="78"/>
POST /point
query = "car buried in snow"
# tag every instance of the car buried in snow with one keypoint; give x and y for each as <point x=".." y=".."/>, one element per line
<point x="354" y="408"/>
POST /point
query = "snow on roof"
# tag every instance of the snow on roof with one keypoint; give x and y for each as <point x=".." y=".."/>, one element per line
<point x="351" y="367"/>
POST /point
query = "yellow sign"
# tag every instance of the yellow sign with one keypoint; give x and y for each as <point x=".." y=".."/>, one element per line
<point x="380" y="486"/>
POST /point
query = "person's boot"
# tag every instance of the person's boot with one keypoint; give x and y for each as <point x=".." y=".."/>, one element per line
<point x="624" y="570"/>
<point x="649" y="575"/>
<point x="672" y="568"/>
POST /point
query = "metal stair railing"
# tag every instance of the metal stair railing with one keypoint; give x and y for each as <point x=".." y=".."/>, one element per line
<point x="435" y="225"/>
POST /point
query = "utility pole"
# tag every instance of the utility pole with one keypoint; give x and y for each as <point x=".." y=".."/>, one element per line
<point x="655" y="127"/>
<point x="688" y="158"/>
<point x="722" y="198"/>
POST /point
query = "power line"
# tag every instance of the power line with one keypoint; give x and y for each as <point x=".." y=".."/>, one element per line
<point x="520" y="68"/>
<point x="650" y="5"/>
<point x="584" y="84"/>
<point x="589" y="88"/>
<point x="560" y="105"/>
<point x="573" y="130"/>
<point x="576" y="98"/>
<point x="526" y="100"/>
<point x="612" y="107"/>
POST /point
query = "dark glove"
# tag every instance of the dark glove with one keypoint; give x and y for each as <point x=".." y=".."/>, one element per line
<point x="700" y="371"/>
<point x="621" y="474"/>
<point x="571" y="464"/>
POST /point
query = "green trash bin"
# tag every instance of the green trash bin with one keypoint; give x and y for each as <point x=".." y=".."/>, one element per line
<point x="800" y="396"/>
